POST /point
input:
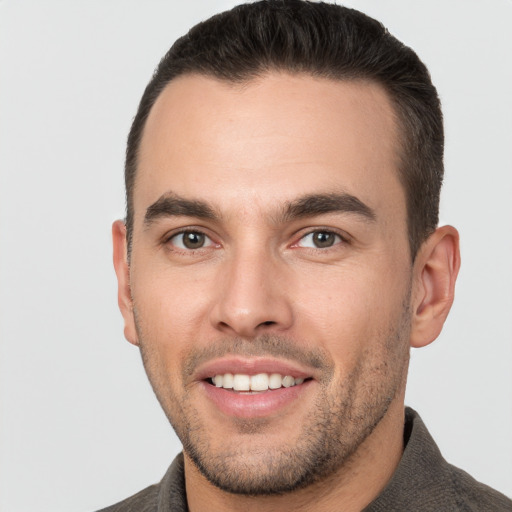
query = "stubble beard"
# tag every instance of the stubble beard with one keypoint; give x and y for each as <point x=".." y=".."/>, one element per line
<point x="341" y="420"/>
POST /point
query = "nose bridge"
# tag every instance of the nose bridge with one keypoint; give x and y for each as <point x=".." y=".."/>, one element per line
<point x="251" y="297"/>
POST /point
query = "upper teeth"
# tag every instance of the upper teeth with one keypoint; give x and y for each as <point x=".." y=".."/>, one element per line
<point x="259" y="382"/>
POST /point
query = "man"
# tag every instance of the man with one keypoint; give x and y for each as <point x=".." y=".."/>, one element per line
<point x="279" y="258"/>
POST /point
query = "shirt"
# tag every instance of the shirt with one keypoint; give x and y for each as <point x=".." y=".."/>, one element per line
<point x="422" y="482"/>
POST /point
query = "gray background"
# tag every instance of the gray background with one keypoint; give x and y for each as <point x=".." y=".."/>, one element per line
<point x="79" y="427"/>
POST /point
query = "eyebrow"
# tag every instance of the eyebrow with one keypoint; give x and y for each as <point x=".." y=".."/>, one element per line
<point x="172" y="205"/>
<point x="318" y="204"/>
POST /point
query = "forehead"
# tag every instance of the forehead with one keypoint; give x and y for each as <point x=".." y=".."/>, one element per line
<point x="269" y="139"/>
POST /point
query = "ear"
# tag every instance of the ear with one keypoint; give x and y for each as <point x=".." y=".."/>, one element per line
<point x="435" y="269"/>
<point x="124" y="296"/>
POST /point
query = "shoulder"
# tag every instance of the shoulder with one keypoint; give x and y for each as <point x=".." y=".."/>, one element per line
<point x="470" y="495"/>
<point x="144" y="501"/>
<point x="167" y="495"/>
<point x="425" y="482"/>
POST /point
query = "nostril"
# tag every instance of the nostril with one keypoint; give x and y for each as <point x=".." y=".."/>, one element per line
<point x="268" y="322"/>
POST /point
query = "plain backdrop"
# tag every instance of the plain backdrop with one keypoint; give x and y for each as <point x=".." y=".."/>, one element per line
<point x="79" y="425"/>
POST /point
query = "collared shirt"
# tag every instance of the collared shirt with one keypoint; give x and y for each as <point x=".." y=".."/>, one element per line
<point x="422" y="482"/>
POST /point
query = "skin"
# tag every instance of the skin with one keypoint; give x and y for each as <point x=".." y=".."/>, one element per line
<point x="346" y="314"/>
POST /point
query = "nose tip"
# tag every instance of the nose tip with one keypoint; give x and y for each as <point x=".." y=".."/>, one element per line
<point x="246" y="325"/>
<point x="251" y="300"/>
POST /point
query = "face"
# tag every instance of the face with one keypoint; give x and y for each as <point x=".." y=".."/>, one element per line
<point x="270" y="274"/>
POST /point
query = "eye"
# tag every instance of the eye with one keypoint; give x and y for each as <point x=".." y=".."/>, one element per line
<point x="320" y="240"/>
<point x="190" y="240"/>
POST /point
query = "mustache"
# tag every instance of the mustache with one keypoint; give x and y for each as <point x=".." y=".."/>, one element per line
<point x="265" y="345"/>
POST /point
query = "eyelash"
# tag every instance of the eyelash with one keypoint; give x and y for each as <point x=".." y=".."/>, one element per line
<point x="168" y="239"/>
<point x="343" y="239"/>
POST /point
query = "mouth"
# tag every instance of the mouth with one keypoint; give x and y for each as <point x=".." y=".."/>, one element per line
<point x="253" y="388"/>
<point x="259" y="383"/>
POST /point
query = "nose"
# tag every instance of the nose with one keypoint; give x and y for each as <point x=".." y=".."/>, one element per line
<point x="252" y="296"/>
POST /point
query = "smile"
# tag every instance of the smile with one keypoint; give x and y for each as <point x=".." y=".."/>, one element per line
<point x="260" y="382"/>
<point x="254" y="387"/>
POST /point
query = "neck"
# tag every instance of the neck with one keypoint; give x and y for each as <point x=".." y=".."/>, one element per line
<point x="353" y="486"/>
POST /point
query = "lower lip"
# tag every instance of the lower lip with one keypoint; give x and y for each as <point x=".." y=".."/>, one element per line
<point x="254" y="405"/>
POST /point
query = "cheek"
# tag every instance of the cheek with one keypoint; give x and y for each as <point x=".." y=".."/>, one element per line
<point x="349" y="310"/>
<point x="171" y="297"/>
<point x="170" y="315"/>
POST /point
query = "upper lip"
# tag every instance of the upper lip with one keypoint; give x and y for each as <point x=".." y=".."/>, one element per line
<point x="250" y="366"/>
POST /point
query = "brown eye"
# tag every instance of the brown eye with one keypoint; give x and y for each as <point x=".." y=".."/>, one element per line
<point x="324" y="239"/>
<point x="320" y="239"/>
<point x="190" y="240"/>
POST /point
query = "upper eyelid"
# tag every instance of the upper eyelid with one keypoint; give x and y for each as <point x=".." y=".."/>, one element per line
<point x="299" y="243"/>
<point x="187" y="229"/>
<point x="297" y="236"/>
<point x="308" y="231"/>
<point x="174" y="247"/>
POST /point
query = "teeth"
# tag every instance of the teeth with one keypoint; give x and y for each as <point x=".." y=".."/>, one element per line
<point x="241" y="382"/>
<point x="227" y="381"/>
<point x="259" y="382"/>
<point x="288" y="381"/>
<point x="275" y="381"/>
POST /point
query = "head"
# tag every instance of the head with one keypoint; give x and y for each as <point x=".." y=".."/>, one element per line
<point x="282" y="175"/>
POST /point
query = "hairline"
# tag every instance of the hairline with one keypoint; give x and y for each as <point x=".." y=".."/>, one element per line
<point x="399" y="121"/>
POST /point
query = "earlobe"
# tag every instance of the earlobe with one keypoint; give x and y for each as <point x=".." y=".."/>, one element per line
<point x="122" y="269"/>
<point x="435" y="269"/>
